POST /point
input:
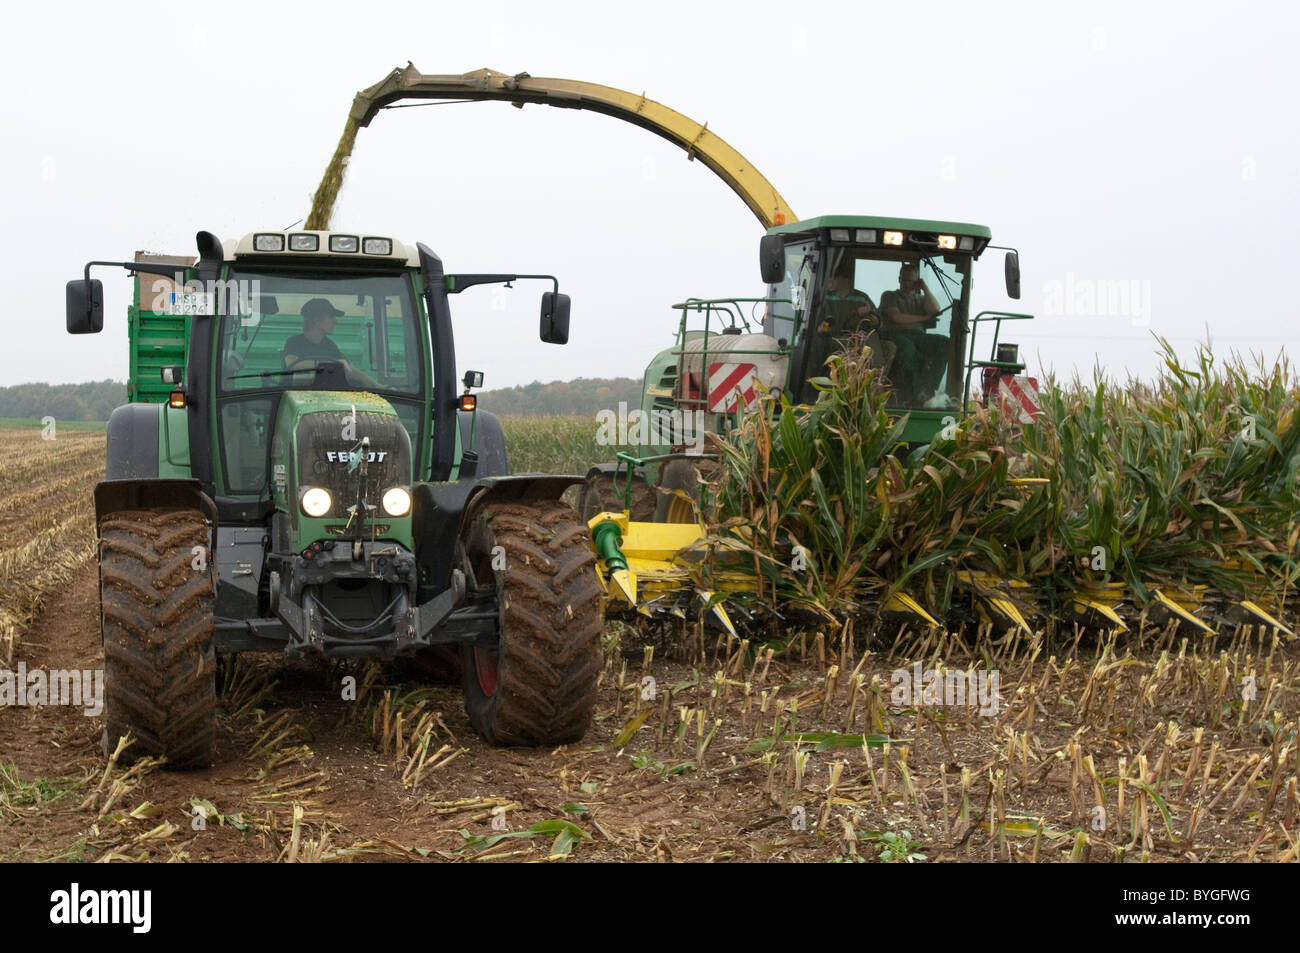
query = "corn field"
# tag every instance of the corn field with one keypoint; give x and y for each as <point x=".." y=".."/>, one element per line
<point x="553" y="444"/>
<point x="1186" y="485"/>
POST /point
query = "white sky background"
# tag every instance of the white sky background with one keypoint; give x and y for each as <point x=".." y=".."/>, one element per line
<point x="1151" y="143"/>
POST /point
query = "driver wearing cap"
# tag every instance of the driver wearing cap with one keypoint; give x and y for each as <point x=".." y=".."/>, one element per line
<point x="313" y="346"/>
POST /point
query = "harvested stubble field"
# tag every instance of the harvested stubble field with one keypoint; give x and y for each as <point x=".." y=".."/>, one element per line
<point x="794" y="750"/>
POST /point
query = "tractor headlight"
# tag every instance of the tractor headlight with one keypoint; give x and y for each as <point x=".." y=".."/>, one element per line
<point x="316" y="501"/>
<point x="397" y="502"/>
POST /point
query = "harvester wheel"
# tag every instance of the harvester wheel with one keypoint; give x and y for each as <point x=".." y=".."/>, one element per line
<point x="156" y="595"/>
<point x="598" y="496"/>
<point x="537" y="686"/>
<point x="680" y="475"/>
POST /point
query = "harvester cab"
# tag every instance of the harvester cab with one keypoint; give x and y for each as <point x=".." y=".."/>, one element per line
<point x="299" y="471"/>
<point x="904" y="287"/>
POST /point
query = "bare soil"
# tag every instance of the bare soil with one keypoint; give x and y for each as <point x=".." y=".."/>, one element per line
<point x="304" y="773"/>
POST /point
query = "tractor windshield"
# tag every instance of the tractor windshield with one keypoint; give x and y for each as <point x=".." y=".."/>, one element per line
<point x="281" y="327"/>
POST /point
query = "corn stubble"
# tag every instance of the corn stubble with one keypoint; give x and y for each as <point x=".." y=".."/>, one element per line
<point x="46" y="529"/>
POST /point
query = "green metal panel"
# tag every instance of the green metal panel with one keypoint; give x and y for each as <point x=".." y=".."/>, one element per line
<point x="156" y="341"/>
<point x="294" y="405"/>
<point x="173" y="444"/>
<point x="924" y="425"/>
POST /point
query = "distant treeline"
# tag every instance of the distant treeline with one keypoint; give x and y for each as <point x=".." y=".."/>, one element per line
<point x="93" y="401"/>
<point x="584" y="396"/>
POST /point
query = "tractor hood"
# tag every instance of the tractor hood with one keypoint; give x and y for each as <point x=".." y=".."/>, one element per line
<point x="351" y="445"/>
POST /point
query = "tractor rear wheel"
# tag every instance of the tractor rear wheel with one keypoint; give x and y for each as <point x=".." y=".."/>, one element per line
<point x="156" y="596"/>
<point x="681" y="475"/>
<point x="598" y="496"/>
<point x="537" y="685"/>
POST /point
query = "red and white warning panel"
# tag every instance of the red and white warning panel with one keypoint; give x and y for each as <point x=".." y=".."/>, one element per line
<point x="1018" y="398"/>
<point x="727" y="382"/>
<point x="749" y="362"/>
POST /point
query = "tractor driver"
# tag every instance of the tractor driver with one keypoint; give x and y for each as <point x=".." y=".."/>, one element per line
<point x="850" y="311"/>
<point x="923" y="358"/>
<point x="313" y="346"/>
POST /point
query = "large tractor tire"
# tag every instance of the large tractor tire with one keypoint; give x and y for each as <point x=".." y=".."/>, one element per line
<point x="159" y="662"/>
<point x="537" y="686"/>
<point x="681" y="475"/>
<point x="598" y="496"/>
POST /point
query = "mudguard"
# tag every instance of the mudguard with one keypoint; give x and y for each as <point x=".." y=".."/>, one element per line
<point x="442" y="510"/>
<point x="114" y="495"/>
<point x="489" y="442"/>
<point x="132" y="442"/>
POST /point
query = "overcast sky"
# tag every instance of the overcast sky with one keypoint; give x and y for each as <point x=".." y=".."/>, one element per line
<point x="1153" y="145"/>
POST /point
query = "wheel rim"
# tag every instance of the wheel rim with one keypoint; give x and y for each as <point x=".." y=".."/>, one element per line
<point x="680" y="511"/>
<point x="486" y="669"/>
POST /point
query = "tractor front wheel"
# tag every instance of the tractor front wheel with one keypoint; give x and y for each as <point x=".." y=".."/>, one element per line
<point x="156" y="597"/>
<point x="537" y="685"/>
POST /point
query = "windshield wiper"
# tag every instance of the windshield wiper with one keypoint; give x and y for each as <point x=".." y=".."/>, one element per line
<point x="242" y="377"/>
<point x="944" y="283"/>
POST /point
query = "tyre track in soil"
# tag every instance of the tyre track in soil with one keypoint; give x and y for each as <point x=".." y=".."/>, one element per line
<point x="352" y="793"/>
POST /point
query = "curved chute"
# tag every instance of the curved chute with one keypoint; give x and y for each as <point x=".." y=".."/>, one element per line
<point x="698" y="142"/>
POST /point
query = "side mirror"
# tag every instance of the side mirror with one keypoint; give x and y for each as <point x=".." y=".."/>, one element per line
<point x="1011" y="267"/>
<point x="771" y="259"/>
<point x="85" y="304"/>
<point x="555" y="318"/>
<point x="267" y="305"/>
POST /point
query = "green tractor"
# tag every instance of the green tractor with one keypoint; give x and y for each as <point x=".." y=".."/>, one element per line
<point x="900" y="286"/>
<point x="299" y="471"/>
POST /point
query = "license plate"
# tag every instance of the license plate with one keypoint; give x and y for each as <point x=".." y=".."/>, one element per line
<point x="189" y="302"/>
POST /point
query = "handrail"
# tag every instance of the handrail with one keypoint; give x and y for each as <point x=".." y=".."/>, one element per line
<point x="995" y="316"/>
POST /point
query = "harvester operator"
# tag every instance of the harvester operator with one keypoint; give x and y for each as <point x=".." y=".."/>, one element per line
<point x="849" y="311"/>
<point x="923" y="358"/>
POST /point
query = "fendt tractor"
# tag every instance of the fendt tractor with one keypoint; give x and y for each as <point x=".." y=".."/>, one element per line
<point x="904" y="284"/>
<point x="299" y="471"/>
